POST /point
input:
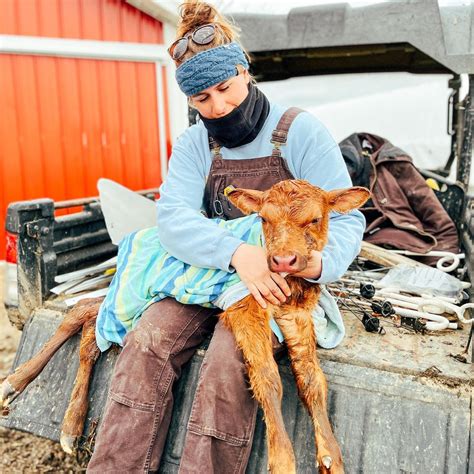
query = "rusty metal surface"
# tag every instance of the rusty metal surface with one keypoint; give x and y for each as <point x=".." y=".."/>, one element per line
<point x="386" y="420"/>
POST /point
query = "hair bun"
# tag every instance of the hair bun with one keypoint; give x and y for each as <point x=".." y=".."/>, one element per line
<point x="195" y="13"/>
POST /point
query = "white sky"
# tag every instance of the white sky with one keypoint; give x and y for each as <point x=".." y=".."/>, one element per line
<point x="279" y="6"/>
<point x="274" y="6"/>
<point x="283" y="6"/>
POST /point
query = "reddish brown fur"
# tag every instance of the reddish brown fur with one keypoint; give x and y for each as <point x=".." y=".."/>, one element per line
<point x="296" y="220"/>
<point x="83" y="315"/>
<point x="73" y="423"/>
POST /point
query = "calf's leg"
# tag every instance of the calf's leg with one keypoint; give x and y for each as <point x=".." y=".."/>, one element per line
<point x="250" y="326"/>
<point x="15" y="383"/>
<point x="298" y="329"/>
<point x="73" y="423"/>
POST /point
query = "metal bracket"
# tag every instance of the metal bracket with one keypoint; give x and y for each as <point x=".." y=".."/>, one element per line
<point x="413" y="323"/>
<point x="38" y="229"/>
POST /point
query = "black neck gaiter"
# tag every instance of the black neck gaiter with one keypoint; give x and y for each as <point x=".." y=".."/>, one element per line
<point x="243" y="124"/>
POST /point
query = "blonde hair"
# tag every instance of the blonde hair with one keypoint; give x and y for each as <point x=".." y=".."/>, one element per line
<point x="195" y="13"/>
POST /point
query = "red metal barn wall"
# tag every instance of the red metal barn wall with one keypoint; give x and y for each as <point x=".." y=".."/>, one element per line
<point x="66" y="122"/>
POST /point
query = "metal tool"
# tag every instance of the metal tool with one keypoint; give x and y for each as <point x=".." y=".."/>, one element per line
<point x="448" y="261"/>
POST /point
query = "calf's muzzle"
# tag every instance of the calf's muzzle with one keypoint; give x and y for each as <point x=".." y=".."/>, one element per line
<point x="288" y="263"/>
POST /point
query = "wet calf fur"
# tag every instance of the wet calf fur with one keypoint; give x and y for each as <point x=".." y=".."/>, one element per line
<point x="295" y="217"/>
<point x="82" y="316"/>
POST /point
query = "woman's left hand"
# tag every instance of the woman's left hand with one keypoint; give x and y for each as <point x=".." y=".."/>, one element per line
<point x="314" y="267"/>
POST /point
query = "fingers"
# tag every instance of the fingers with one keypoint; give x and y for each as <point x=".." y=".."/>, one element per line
<point x="258" y="297"/>
<point x="269" y="290"/>
<point x="263" y="294"/>
<point x="252" y="267"/>
<point x="282" y="284"/>
<point x="274" y="293"/>
<point x="314" y="267"/>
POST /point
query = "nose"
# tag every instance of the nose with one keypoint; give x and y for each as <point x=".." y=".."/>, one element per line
<point x="284" y="264"/>
<point x="219" y="107"/>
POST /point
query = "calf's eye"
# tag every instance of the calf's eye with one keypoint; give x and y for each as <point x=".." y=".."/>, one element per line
<point x="315" y="221"/>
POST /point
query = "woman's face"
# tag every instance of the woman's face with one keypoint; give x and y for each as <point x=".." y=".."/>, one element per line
<point x="221" y="99"/>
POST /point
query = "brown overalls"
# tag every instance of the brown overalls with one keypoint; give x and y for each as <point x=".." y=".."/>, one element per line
<point x="137" y="416"/>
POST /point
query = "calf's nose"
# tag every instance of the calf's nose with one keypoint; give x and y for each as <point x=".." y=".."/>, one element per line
<point x="284" y="264"/>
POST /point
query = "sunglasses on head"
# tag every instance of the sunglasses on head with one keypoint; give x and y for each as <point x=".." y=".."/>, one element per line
<point x="202" y="35"/>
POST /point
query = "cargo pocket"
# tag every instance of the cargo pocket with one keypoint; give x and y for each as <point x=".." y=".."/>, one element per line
<point x="124" y="439"/>
<point x="223" y="406"/>
<point x="218" y="439"/>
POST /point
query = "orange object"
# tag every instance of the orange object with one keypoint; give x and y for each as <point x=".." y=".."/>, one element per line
<point x="67" y="122"/>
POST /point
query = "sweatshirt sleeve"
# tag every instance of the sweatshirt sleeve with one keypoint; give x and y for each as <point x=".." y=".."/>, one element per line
<point x="320" y="162"/>
<point x="182" y="228"/>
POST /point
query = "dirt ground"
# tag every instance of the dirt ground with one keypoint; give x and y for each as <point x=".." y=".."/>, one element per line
<point x="21" y="452"/>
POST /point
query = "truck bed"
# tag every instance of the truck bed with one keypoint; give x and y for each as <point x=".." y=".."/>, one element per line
<point x="398" y="402"/>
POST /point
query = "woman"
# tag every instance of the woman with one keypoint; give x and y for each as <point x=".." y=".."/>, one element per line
<point x="244" y="140"/>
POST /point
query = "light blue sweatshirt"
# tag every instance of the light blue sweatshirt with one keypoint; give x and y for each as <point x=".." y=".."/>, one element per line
<point x="311" y="154"/>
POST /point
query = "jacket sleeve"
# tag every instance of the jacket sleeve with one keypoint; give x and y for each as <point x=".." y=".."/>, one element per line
<point x="322" y="165"/>
<point x="182" y="228"/>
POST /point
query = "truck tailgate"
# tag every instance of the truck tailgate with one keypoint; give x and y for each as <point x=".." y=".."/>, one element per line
<point x="389" y="412"/>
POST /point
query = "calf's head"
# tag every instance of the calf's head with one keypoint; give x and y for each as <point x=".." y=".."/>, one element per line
<point x="295" y="218"/>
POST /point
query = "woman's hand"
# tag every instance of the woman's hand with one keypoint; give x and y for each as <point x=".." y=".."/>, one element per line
<point x="314" y="267"/>
<point x="250" y="262"/>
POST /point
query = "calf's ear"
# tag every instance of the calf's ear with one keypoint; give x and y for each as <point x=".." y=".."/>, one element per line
<point x="247" y="200"/>
<point x="345" y="200"/>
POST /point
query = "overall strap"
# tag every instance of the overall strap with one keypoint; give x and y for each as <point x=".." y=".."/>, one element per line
<point x="215" y="148"/>
<point x="280" y="134"/>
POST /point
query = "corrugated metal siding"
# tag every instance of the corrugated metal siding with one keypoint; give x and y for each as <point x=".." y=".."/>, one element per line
<point x="67" y="122"/>
<point x="106" y="20"/>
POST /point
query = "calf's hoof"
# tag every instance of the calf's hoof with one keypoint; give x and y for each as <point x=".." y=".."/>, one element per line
<point x="68" y="442"/>
<point x="7" y="393"/>
<point x="326" y="465"/>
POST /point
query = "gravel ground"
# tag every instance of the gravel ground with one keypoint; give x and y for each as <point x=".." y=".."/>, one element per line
<point x="22" y="452"/>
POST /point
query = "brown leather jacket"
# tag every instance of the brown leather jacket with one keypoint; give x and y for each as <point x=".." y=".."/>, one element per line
<point x="404" y="212"/>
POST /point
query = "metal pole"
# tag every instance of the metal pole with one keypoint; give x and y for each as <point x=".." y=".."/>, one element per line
<point x="454" y="120"/>
<point x="465" y="159"/>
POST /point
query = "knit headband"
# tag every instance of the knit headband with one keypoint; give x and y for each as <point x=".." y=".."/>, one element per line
<point x="210" y="67"/>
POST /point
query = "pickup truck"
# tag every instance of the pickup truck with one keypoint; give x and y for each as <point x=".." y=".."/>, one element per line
<point x="398" y="402"/>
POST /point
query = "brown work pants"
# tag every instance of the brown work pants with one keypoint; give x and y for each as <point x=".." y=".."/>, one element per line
<point x="138" y="413"/>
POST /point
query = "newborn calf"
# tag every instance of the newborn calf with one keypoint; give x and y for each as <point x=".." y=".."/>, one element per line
<point x="295" y="217"/>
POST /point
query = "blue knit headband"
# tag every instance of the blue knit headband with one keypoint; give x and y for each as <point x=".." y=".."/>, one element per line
<point x="210" y="67"/>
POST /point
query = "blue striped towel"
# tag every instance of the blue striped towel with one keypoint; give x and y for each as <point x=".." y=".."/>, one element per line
<point x="146" y="273"/>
